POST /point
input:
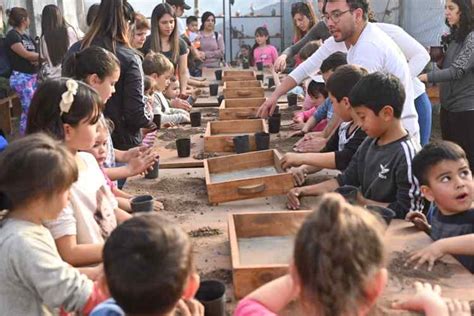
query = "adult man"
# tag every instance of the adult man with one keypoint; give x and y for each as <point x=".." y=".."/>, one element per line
<point x="179" y="6"/>
<point x="367" y="46"/>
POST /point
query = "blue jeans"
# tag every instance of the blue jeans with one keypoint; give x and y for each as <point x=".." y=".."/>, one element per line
<point x="424" y="109"/>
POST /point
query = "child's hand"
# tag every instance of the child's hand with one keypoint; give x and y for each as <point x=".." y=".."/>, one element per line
<point x="297" y="126"/>
<point x="293" y="201"/>
<point x="142" y="162"/>
<point x="427" y="299"/>
<point x="181" y="104"/>
<point x="190" y="307"/>
<point x="158" y="206"/>
<point x="299" y="175"/>
<point x="419" y="220"/>
<point x="291" y="160"/>
<point x="133" y="153"/>
<point x="429" y="254"/>
<point x="311" y="146"/>
<point x="458" y="308"/>
<point x="168" y="125"/>
<point x="297" y="118"/>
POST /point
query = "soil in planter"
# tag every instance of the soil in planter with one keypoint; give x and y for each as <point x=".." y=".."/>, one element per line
<point x="205" y="231"/>
<point x="172" y="134"/>
<point x="203" y="155"/>
<point x="284" y="145"/>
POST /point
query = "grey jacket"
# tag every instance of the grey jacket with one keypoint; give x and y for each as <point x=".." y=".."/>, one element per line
<point x="456" y="77"/>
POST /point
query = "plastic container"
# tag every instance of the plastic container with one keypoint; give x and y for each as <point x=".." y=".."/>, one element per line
<point x="183" y="146"/>
<point x="259" y="65"/>
<point x="153" y="174"/>
<point x="213" y="89"/>
<point x="211" y="294"/>
<point x="262" y="140"/>
<point x="241" y="144"/>
<point x="218" y="74"/>
<point x="274" y="123"/>
<point x="195" y="119"/>
<point x="142" y="203"/>
<point x="157" y="120"/>
<point x="292" y="99"/>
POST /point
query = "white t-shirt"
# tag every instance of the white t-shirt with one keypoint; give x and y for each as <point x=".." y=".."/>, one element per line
<point x="181" y="26"/>
<point x="375" y="51"/>
<point x="90" y="213"/>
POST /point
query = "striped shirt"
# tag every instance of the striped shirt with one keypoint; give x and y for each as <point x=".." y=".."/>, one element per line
<point x="384" y="174"/>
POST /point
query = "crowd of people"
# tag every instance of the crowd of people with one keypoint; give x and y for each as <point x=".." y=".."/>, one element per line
<point x="69" y="241"/>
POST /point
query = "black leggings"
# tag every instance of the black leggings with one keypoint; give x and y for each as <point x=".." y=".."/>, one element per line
<point x="458" y="127"/>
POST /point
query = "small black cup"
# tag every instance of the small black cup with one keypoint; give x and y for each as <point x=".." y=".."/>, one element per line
<point x="349" y="192"/>
<point x="153" y="174"/>
<point x="219" y="100"/>
<point x="183" y="145"/>
<point x="259" y="65"/>
<point x="195" y="119"/>
<point x="211" y="294"/>
<point x="245" y="65"/>
<point x="260" y="77"/>
<point x="142" y="203"/>
<point x="157" y="120"/>
<point x="218" y="74"/>
<point x="292" y="99"/>
<point x="276" y="111"/>
<point x="383" y="212"/>
<point x="271" y="82"/>
<point x="213" y="89"/>
<point x="241" y="144"/>
<point x="262" y="140"/>
<point x="274" y="122"/>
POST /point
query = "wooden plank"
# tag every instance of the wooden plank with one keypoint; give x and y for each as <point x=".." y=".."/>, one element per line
<point x="237" y="113"/>
<point x="257" y="159"/>
<point x="242" y="103"/>
<point x="244" y="92"/>
<point x="248" y="279"/>
<point x="242" y="73"/>
<point x="242" y="84"/>
<point x="236" y="127"/>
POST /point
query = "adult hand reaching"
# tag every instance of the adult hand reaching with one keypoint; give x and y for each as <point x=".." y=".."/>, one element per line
<point x="267" y="108"/>
<point x="280" y="63"/>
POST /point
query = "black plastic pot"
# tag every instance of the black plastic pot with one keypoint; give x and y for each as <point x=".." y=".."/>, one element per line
<point x="218" y="74"/>
<point x="262" y="140"/>
<point x="260" y="77"/>
<point x="142" y="203"/>
<point x="241" y="144"/>
<point x="274" y="122"/>
<point x="219" y="99"/>
<point x="382" y="212"/>
<point x="183" y="145"/>
<point x="153" y="174"/>
<point x="195" y="119"/>
<point x="213" y="89"/>
<point x="259" y="65"/>
<point x="157" y="120"/>
<point x="349" y="192"/>
<point x="245" y="65"/>
<point x="277" y="110"/>
<point x="271" y="82"/>
<point x="211" y="294"/>
<point x="292" y="99"/>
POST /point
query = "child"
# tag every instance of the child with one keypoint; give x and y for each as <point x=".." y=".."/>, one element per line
<point x="443" y="171"/>
<point x="172" y="92"/>
<point x="244" y="54"/>
<point x="381" y="167"/>
<point x="262" y="51"/>
<point x="192" y="31"/>
<point x="149" y="269"/>
<point x="69" y="110"/>
<point x="158" y="67"/>
<point x="329" y="277"/>
<point x="343" y="144"/>
<point x="36" y="175"/>
<point x="309" y="49"/>
<point x="193" y="39"/>
<point x="315" y="141"/>
<point x="101" y="69"/>
<point x="316" y="94"/>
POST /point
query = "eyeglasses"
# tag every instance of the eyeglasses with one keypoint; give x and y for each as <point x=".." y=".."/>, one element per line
<point x="334" y="16"/>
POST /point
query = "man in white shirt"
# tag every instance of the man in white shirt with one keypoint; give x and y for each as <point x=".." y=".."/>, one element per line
<point x="179" y="6"/>
<point x="367" y="46"/>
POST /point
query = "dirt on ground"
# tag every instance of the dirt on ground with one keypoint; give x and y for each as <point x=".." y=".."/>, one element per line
<point x="283" y="143"/>
<point x="205" y="231"/>
<point x="172" y="134"/>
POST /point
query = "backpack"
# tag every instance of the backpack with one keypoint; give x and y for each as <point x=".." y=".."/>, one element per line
<point x="5" y="67"/>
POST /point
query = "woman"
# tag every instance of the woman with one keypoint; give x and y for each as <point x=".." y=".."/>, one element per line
<point x="110" y="30"/>
<point x="23" y="58"/>
<point x="56" y="38"/>
<point x="165" y="39"/>
<point x="212" y="43"/>
<point x="139" y="31"/>
<point x="306" y="26"/>
<point x="456" y="77"/>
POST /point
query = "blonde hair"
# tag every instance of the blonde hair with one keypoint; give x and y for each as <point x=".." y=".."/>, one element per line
<point x="156" y="63"/>
<point x="338" y="248"/>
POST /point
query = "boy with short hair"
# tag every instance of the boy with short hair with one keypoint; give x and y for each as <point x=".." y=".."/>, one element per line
<point x="443" y="171"/>
<point x="381" y="167"/>
<point x="160" y="68"/>
<point x="343" y="144"/>
<point x="193" y="40"/>
<point x="148" y="269"/>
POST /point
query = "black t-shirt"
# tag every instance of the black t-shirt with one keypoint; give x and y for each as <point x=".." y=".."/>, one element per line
<point x="183" y="49"/>
<point x="17" y="62"/>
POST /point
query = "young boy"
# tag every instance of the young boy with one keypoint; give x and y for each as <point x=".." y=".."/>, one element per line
<point x="192" y="39"/>
<point x="314" y="142"/>
<point x="443" y="171"/>
<point x="149" y="270"/>
<point x="381" y="167"/>
<point x="158" y="67"/>
<point x="343" y="144"/>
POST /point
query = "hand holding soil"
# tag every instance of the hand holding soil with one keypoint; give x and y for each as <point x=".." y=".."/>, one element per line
<point x="429" y="255"/>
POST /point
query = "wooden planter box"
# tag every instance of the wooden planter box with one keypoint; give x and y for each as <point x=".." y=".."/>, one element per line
<point x="247" y="276"/>
<point x="244" y="92"/>
<point x="238" y="75"/>
<point x="235" y="109"/>
<point x="246" y="176"/>
<point x="242" y="84"/>
<point x="219" y="134"/>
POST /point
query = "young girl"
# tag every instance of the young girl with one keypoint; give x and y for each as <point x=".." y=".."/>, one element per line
<point x="100" y="69"/>
<point x="262" y="51"/>
<point x="69" y="110"/>
<point x="329" y="280"/>
<point x="36" y="175"/>
<point x="317" y="94"/>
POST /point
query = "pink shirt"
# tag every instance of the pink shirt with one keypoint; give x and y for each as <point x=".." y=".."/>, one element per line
<point x="249" y="307"/>
<point x="267" y="54"/>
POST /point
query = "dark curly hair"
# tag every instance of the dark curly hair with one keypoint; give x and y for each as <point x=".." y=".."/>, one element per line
<point x="466" y="23"/>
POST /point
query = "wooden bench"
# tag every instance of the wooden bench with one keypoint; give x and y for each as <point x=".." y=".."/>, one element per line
<point x="9" y="107"/>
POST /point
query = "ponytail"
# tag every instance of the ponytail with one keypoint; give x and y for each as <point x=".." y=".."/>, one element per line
<point x="91" y="60"/>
